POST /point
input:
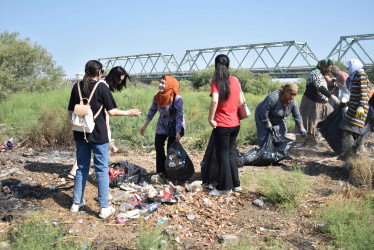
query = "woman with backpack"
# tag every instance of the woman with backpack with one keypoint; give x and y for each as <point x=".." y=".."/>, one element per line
<point x="115" y="80"/>
<point x="224" y="119"/>
<point x="97" y="140"/>
<point x="166" y="100"/>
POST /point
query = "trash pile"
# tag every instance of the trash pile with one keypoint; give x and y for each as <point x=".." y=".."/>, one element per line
<point x="8" y="145"/>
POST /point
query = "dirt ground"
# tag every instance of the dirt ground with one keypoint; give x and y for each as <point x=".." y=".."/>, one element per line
<point x="37" y="181"/>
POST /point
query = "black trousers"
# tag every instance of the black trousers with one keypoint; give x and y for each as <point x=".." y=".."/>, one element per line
<point x="225" y="143"/>
<point x="160" y="151"/>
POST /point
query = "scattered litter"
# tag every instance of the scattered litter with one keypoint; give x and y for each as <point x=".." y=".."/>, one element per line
<point x="191" y="217"/>
<point x="55" y="223"/>
<point x="259" y="202"/>
<point x="73" y="231"/>
<point x="160" y="222"/>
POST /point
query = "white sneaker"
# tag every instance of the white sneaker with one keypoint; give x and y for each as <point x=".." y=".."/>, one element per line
<point x="238" y="189"/>
<point x="75" y="207"/>
<point x="219" y="192"/>
<point x="106" y="212"/>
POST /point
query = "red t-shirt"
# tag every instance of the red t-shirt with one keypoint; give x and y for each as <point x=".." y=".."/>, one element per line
<point x="227" y="112"/>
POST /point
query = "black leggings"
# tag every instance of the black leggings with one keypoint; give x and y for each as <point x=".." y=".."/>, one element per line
<point x="160" y="151"/>
<point x="225" y="145"/>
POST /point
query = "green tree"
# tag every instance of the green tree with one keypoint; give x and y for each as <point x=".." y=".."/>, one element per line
<point x="26" y="66"/>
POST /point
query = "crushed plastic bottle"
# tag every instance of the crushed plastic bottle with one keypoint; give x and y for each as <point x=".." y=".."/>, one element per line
<point x="150" y="208"/>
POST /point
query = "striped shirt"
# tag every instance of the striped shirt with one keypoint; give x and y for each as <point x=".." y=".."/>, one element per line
<point x="359" y="97"/>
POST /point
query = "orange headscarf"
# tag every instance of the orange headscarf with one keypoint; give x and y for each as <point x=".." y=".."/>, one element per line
<point x="171" y="89"/>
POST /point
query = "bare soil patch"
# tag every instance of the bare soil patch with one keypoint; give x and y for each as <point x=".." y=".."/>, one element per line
<point x="37" y="181"/>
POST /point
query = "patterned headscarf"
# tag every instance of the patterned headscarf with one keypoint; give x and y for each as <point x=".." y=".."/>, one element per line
<point x="322" y="66"/>
<point x="171" y="90"/>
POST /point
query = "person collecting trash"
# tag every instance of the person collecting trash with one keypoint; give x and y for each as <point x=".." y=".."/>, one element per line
<point x="274" y="109"/>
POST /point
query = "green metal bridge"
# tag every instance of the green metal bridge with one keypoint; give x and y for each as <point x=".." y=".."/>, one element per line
<point x="285" y="59"/>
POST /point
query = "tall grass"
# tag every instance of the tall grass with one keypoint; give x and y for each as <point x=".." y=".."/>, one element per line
<point x="350" y="222"/>
<point x="23" y="113"/>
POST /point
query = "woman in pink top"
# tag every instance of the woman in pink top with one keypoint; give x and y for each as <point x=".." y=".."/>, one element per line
<point x="224" y="119"/>
<point x="341" y="76"/>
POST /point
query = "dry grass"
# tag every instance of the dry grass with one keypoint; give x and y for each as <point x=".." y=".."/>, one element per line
<point x="361" y="172"/>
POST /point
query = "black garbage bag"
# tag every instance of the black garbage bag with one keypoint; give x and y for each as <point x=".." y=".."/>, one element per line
<point x="209" y="166"/>
<point x="178" y="165"/>
<point x="123" y="172"/>
<point x="273" y="151"/>
<point x="329" y="128"/>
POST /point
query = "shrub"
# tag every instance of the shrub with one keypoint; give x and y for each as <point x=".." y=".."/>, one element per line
<point x="350" y="222"/>
<point x="285" y="189"/>
<point x="52" y="130"/>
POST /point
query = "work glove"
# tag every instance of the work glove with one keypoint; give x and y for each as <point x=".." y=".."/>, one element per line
<point x="360" y="112"/>
<point x="269" y="126"/>
<point x="335" y="100"/>
<point x="303" y="131"/>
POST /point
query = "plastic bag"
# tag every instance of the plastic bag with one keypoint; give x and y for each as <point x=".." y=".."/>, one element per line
<point x="273" y="151"/>
<point x="329" y="129"/>
<point x="123" y="172"/>
<point x="209" y="166"/>
<point x="178" y="165"/>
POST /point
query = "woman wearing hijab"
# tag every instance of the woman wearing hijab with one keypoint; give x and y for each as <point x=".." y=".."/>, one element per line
<point x="163" y="101"/>
<point x="273" y="110"/>
<point x="341" y="76"/>
<point x="315" y="105"/>
<point x="354" y="119"/>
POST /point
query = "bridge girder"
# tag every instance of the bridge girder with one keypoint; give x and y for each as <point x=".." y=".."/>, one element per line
<point x="267" y="58"/>
<point x="346" y="44"/>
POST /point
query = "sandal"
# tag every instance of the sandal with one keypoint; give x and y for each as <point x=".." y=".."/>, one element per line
<point x="71" y="176"/>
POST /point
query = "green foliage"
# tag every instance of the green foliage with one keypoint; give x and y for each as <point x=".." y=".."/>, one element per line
<point x="21" y="112"/>
<point x="38" y="232"/>
<point x="25" y="66"/>
<point x="286" y="188"/>
<point x="370" y="73"/>
<point x="35" y="114"/>
<point x="350" y="222"/>
<point x="202" y="78"/>
<point x="152" y="238"/>
<point x="260" y="85"/>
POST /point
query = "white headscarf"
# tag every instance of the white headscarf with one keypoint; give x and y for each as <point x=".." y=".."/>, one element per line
<point x="353" y="65"/>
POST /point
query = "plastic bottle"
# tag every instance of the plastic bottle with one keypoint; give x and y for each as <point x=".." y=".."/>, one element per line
<point x="150" y="208"/>
<point x="130" y="203"/>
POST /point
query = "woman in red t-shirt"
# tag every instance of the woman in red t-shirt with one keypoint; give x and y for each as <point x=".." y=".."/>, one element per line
<point x="224" y="119"/>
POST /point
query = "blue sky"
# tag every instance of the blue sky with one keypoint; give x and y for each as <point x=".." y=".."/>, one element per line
<point x="77" y="31"/>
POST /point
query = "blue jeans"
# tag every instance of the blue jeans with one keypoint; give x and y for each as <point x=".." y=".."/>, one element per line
<point x="101" y="160"/>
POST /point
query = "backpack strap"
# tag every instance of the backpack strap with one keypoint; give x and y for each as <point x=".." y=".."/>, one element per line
<point x="89" y="99"/>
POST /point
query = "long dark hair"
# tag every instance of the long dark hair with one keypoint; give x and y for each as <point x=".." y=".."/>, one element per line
<point x="91" y="70"/>
<point x="114" y="77"/>
<point x="221" y="77"/>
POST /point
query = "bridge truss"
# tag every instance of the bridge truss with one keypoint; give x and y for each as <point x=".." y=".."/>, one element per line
<point x="352" y="46"/>
<point x="259" y="58"/>
<point x="286" y="59"/>
<point x="144" y="66"/>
